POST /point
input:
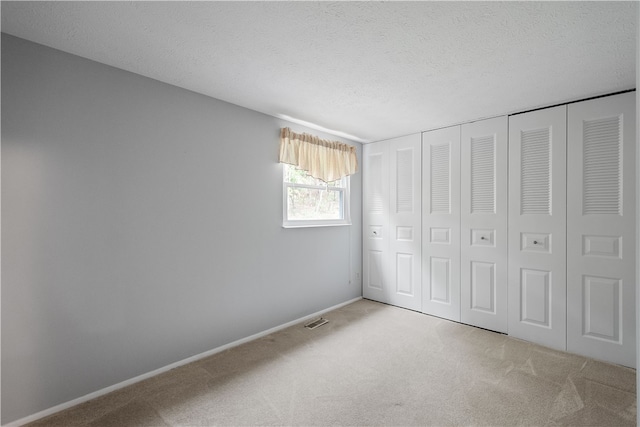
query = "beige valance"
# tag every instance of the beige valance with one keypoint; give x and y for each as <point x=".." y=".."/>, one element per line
<point x="322" y="159"/>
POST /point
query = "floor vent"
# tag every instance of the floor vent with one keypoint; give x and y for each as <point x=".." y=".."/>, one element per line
<point x="316" y="323"/>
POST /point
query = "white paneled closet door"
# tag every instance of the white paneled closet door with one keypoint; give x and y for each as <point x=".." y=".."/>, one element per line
<point x="537" y="226"/>
<point x="441" y="223"/>
<point x="405" y="222"/>
<point x="483" y="275"/>
<point x="375" y="221"/>
<point x="601" y="229"/>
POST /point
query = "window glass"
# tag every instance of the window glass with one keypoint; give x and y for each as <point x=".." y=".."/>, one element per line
<point x="312" y="202"/>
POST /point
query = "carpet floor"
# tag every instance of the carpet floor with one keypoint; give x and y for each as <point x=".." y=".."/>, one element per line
<point x="374" y="364"/>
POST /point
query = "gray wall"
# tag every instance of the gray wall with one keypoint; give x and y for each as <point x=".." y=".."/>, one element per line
<point x="141" y="225"/>
<point x="637" y="211"/>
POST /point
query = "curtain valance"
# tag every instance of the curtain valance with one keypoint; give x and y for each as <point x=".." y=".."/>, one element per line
<point x="321" y="158"/>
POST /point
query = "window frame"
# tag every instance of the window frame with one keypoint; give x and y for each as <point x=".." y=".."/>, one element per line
<point x="300" y="223"/>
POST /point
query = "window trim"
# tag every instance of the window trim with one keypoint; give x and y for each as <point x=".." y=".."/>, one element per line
<point x="302" y="223"/>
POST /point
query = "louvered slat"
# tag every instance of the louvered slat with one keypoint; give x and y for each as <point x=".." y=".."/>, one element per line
<point x="535" y="172"/>
<point x="440" y="178"/>
<point x="376" y="191"/>
<point x="404" y="183"/>
<point x="602" y="169"/>
<point x="483" y="191"/>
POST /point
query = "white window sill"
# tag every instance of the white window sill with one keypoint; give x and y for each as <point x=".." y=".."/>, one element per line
<point x="315" y="225"/>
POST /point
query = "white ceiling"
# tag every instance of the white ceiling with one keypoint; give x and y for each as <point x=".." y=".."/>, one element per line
<point x="375" y="70"/>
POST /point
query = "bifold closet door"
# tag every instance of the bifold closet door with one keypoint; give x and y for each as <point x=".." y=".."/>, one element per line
<point x="483" y="257"/>
<point x="441" y="223"/>
<point x="601" y="229"/>
<point x="375" y="221"/>
<point x="391" y="221"/>
<point x="405" y="231"/>
<point x="537" y="226"/>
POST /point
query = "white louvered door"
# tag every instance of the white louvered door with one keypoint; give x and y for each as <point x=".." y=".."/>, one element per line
<point x="405" y="222"/>
<point x="537" y="227"/>
<point x="483" y="275"/>
<point x="441" y="223"/>
<point x="392" y="223"/>
<point x="375" y="221"/>
<point x="601" y="229"/>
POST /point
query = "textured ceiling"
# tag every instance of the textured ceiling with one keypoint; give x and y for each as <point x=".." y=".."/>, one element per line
<point x="371" y="69"/>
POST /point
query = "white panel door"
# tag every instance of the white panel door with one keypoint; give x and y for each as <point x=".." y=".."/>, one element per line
<point x="375" y="221"/>
<point x="405" y="222"/>
<point x="483" y="243"/>
<point x="537" y="226"/>
<point x="601" y="229"/>
<point x="441" y="223"/>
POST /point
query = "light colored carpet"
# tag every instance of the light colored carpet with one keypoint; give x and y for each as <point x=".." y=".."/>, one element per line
<point x="374" y="364"/>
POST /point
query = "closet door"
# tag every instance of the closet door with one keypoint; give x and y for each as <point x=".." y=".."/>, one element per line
<point x="405" y="222"/>
<point x="375" y="221"/>
<point x="441" y="223"/>
<point x="392" y="223"/>
<point x="483" y="275"/>
<point x="601" y="229"/>
<point x="537" y="227"/>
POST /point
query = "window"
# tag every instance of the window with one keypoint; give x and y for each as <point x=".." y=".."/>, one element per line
<point x="315" y="180"/>
<point x="311" y="202"/>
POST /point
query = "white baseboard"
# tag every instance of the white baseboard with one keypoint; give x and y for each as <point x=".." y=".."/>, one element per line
<point x="102" y="392"/>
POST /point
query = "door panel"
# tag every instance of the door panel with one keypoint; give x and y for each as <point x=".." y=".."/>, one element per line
<point x="483" y="287"/>
<point x="374" y="269"/>
<point x="535" y="301"/>
<point x="376" y="285"/>
<point x="440" y="280"/>
<point x="404" y="221"/>
<point x="602" y="308"/>
<point x="537" y="226"/>
<point x="601" y="230"/>
<point x="441" y="222"/>
<point x="483" y="273"/>
<point x="404" y="273"/>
